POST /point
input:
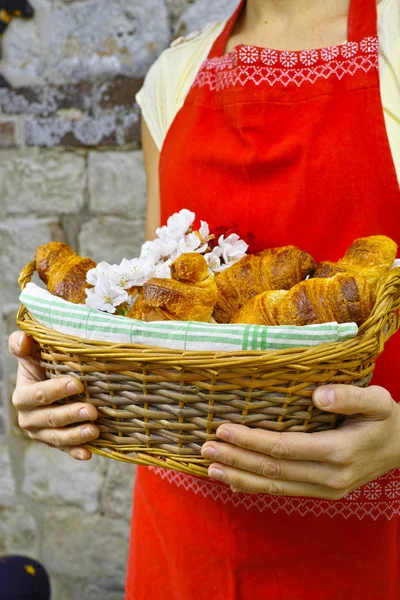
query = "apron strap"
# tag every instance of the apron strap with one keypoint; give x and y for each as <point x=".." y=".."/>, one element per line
<point x="363" y="19"/>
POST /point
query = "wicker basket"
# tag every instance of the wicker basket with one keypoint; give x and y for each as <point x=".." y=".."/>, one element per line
<point x="158" y="407"/>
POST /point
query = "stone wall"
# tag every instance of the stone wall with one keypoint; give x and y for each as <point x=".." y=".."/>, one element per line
<point x="71" y="169"/>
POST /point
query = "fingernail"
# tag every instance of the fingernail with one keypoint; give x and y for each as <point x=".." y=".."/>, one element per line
<point x="224" y="434"/>
<point x="19" y="340"/>
<point x="87" y="433"/>
<point x="324" y="396"/>
<point x="216" y="473"/>
<point x="84" y="413"/>
<point x="80" y="455"/>
<point x="209" y="452"/>
<point x="73" y="388"/>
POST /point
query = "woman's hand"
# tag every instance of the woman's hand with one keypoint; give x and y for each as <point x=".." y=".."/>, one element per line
<point x="33" y="398"/>
<point x="326" y="464"/>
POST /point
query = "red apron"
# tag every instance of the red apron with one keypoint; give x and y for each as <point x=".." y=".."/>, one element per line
<point x="285" y="148"/>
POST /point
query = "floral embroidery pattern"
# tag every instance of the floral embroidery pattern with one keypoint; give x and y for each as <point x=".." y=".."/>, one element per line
<point x="369" y="44"/>
<point x="254" y="65"/>
<point x="349" y="49"/>
<point x="249" y="54"/>
<point x="368" y="501"/>
<point x="392" y="490"/>
<point x="373" y="491"/>
<point x="329" y="53"/>
<point x="309" y="57"/>
<point x="288" y="59"/>
<point x="269" y="57"/>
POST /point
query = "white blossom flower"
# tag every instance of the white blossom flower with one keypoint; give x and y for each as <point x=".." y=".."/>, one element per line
<point x="164" y="248"/>
<point x="177" y="225"/>
<point x="190" y="243"/>
<point x="233" y="248"/>
<point x="131" y="273"/>
<point x="213" y="259"/>
<point x="111" y="282"/>
<point x="163" y="270"/>
<point x="104" y="296"/>
<point x="204" y="230"/>
<point x="147" y="250"/>
<point x="101" y="269"/>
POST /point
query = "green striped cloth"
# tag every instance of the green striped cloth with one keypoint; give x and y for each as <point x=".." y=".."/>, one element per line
<point x="81" y="321"/>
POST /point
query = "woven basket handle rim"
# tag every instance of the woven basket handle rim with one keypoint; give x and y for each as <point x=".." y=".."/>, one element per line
<point x="26" y="274"/>
<point x="387" y="301"/>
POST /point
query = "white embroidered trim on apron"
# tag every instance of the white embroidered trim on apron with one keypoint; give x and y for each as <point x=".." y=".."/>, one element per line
<point x="380" y="498"/>
<point x="250" y="64"/>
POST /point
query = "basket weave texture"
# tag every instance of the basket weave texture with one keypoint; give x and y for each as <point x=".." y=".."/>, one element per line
<point x="159" y="406"/>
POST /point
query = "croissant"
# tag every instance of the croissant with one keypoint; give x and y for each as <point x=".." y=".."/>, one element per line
<point x="369" y="257"/>
<point x="190" y="294"/>
<point x="273" y="269"/>
<point x="343" y="298"/>
<point x="63" y="271"/>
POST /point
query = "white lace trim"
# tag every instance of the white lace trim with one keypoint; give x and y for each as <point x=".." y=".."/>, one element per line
<point x="380" y="498"/>
<point x="250" y="64"/>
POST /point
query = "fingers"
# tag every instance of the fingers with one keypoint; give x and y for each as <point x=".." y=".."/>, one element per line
<point x="69" y="436"/>
<point x="270" y="468"/>
<point x="257" y="484"/>
<point x="78" y="452"/>
<point x="320" y="446"/>
<point x="20" y="344"/>
<point x="29" y="396"/>
<point x="373" y="402"/>
<point x="24" y="348"/>
<point x="56" y="416"/>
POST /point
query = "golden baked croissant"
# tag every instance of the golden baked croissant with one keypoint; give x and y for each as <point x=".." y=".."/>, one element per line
<point x="343" y="298"/>
<point x="189" y="296"/>
<point x="273" y="269"/>
<point x="369" y="257"/>
<point x="63" y="271"/>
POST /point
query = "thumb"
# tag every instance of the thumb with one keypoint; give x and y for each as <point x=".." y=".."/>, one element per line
<point x="21" y="345"/>
<point x="24" y="348"/>
<point x="374" y="402"/>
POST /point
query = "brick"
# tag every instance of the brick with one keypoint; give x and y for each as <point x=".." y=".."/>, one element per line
<point x="7" y="484"/>
<point x="202" y="12"/>
<point x="3" y="429"/>
<point x="19" y="239"/>
<point x="45" y="101"/>
<point x="111" y="239"/>
<point x="117" y="491"/>
<point x="55" y="478"/>
<point x="88" y="131"/>
<point x="24" y="100"/>
<point x="131" y="130"/>
<point x="176" y="7"/>
<point x="117" y="183"/>
<point x="49" y="182"/>
<point x="87" y="41"/>
<point x="119" y="93"/>
<point x="7" y="134"/>
<point x="102" y="544"/>
<point x="18" y="531"/>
